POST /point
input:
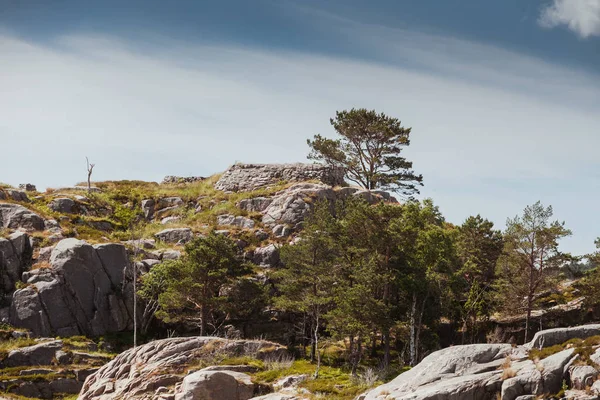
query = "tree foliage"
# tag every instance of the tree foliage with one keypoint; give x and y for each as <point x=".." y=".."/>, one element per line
<point x="530" y="259"/>
<point x="369" y="150"/>
<point x="191" y="287"/>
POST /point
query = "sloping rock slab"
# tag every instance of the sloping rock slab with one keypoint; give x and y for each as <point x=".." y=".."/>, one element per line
<point x="138" y="372"/>
<point x="217" y="385"/>
<point x="469" y="372"/>
<point x="550" y="337"/>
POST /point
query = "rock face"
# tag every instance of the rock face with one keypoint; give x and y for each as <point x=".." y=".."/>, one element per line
<point x="222" y="385"/>
<point x="239" y="221"/>
<point x="483" y="372"/>
<point x="175" y="235"/>
<point x="245" y="177"/>
<point x="15" y="216"/>
<point x="292" y="205"/>
<point x="15" y="253"/>
<point x="267" y="256"/>
<point x="182" y="179"/>
<point x="255" y="204"/>
<point x="81" y="294"/>
<point x="550" y="337"/>
<point x="460" y="372"/>
<point x="132" y="374"/>
<point x="62" y="204"/>
<point x="39" y="354"/>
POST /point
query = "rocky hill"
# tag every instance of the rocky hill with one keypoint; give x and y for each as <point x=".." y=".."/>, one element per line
<point x="68" y="257"/>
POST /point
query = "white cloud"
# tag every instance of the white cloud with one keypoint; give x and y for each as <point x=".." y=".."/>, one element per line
<point x="492" y="130"/>
<point x="581" y="16"/>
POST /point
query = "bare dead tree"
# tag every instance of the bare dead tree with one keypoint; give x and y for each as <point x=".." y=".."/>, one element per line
<point x="90" y="168"/>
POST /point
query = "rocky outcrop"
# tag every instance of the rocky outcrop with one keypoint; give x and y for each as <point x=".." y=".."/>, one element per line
<point x="255" y="204"/>
<point x="292" y="205"/>
<point x="175" y="235"/>
<point x="17" y="195"/>
<point x="485" y="371"/>
<point x="62" y="205"/>
<point x="139" y="372"/>
<point x="182" y="179"/>
<point x="15" y="216"/>
<point x="246" y="177"/>
<point x="80" y="294"/>
<point x="222" y="385"/>
<point x="15" y="255"/>
<point x="28" y="187"/>
<point x="458" y="372"/>
<point x="232" y="220"/>
<point x="550" y="337"/>
<point x="267" y="256"/>
<point x="39" y="354"/>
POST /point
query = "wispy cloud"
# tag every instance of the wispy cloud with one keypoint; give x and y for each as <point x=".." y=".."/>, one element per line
<point x="483" y="118"/>
<point x="580" y="16"/>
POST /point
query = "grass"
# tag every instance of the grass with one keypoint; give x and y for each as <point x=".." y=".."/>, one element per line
<point x="6" y="346"/>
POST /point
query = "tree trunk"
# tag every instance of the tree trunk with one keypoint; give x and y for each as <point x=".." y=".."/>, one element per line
<point x="529" y="307"/>
<point x="413" y="322"/>
<point x="204" y="321"/>
<point x="386" y="348"/>
<point x="316" y="334"/>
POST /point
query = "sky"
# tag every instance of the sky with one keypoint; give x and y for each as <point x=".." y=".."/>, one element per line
<point x="503" y="96"/>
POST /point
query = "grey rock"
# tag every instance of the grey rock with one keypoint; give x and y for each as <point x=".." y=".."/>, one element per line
<point x="166" y="202"/>
<point x="290" y="381"/>
<point x="63" y="205"/>
<point x="15" y="254"/>
<point x="245" y="177"/>
<point x="171" y="255"/>
<point x="101" y="225"/>
<point x="182" y="179"/>
<point x="550" y="337"/>
<point x="174" y="235"/>
<point x="147" y="244"/>
<point x="543" y="377"/>
<point x="267" y="256"/>
<point x="148" y="208"/>
<point x="39" y="354"/>
<point x="292" y="205"/>
<point x="281" y="231"/>
<point x="15" y="216"/>
<point x="18" y="195"/>
<point x="28" y="187"/>
<point x="239" y="221"/>
<point x="582" y="376"/>
<point x="169" y="220"/>
<point x="255" y="204"/>
<point x="132" y="374"/>
<point x="44" y="254"/>
<point x="261" y="235"/>
<point x="165" y="212"/>
<point x="80" y="294"/>
<point x="63" y="357"/>
<point x="216" y="385"/>
<point x="36" y="371"/>
<point x="458" y="372"/>
<point x="66" y="385"/>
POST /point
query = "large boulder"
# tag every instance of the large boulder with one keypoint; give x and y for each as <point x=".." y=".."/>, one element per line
<point x="551" y="337"/>
<point x="469" y="371"/>
<point x="267" y="256"/>
<point x="15" y="255"/>
<point x="291" y="206"/>
<point x="245" y="177"/>
<point x="255" y="204"/>
<point x="216" y="385"/>
<point x="15" y="216"/>
<point x="62" y="205"/>
<point x="133" y="374"/>
<point x="545" y="376"/>
<point x="232" y="220"/>
<point x="81" y="294"/>
<point x="39" y="354"/>
<point x="175" y="235"/>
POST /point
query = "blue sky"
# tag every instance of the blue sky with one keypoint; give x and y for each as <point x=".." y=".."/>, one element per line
<point x="502" y="96"/>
